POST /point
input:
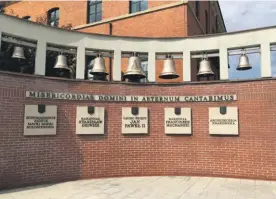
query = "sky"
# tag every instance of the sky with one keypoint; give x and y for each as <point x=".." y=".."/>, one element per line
<point x="242" y="15"/>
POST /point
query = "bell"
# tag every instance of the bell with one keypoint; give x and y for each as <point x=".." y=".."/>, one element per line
<point x="98" y="67"/>
<point x="61" y="62"/>
<point x="134" y="71"/>
<point x="18" y="53"/>
<point x="205" y="69"/>
<point x="169" y="71"/>
<point x="244" y="62"/>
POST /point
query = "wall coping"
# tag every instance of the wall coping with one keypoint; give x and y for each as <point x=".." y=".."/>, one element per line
<point x="19" y="75"/>
<point x="144" y="38"/>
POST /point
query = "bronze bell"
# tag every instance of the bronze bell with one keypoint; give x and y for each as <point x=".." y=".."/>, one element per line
<point x="134" y="71"/>
<point x="98" y="66"/>
<point x="244" y="62"/>
<point x="205" y="69"/>
<point x="61" y="62"/>
<point x="18" y="53"/>
<point x="169" y="71"/>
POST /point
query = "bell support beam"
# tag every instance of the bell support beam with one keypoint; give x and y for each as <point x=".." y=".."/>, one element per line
<point x="223" y="63"/>
<point x="151" y="66"/>
<point x="40" y="58"/>
<point x="265" y="60"/>
<point x="80" y="69"/>
<point x="186" y="66"/>
<point x="117" y="75"/>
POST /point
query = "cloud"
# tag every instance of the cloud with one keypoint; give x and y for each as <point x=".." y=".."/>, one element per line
<point x="243" y="15"/>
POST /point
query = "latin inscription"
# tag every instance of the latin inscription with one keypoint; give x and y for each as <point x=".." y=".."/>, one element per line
<point x="118" y="98"/>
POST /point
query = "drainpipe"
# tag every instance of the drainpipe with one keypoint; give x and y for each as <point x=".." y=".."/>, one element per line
<point x="110" y="58"/>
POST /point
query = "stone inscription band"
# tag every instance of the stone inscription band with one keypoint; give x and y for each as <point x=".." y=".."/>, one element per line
<point x="119" y="98"/>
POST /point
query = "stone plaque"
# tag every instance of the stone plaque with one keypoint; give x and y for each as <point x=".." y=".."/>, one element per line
<point x="134" y="120"/>
<point x="40" y="120"/>
<point x="90" y="120"/>
<point x="223" y="121"/>
<point x="178" y="121"/>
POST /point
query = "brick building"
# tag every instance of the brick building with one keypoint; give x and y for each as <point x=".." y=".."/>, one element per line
<point x="130" y="18"/>
<point x="66" y="155"/>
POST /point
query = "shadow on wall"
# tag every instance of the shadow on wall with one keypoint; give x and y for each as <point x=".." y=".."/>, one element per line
<point x="30" y="160"/>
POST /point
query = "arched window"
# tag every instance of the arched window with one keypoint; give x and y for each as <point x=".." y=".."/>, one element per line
<point x="206" y="22"/>
<point x="26" y="17"/>
<point x="53" y="17"/>
<point x="137" y="5"/>
<point x="94" y="11"/>
<point x="197" y="11"/>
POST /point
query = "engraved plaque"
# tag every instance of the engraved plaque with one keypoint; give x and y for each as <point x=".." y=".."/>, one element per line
<point x="90" y="120"/>
<point x="178" y="121"/>
<point x="223" y="121"/>
<point x="134" y="120"/>
<point x="40" y="119"/>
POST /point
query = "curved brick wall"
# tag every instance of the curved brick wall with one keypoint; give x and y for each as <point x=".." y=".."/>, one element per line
<point x="67" y="156"/>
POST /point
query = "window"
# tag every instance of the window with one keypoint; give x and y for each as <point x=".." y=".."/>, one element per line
<point x="53" y="17"/>
<point x="206" y="22"/>
<point x="197" y="12"/>
<point x="138" y="5"/>
<point x="144" y="66"/>
<point x="94" y="11"/>
<point x="26" y="17"/>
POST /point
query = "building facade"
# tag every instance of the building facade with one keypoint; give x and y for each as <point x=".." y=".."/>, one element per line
<point x="39" y="122"/>
<point x="130" y="18"/>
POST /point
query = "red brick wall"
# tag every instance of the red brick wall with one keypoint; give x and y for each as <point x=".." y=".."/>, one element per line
<point x="67" y="156"/>
<point x="163" y="23"/>
<point x="74" y="12"/>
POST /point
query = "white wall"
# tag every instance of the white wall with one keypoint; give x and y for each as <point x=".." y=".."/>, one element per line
<point x="221" y="42"/>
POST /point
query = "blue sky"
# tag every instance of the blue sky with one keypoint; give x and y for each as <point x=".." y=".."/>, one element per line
<point x="242" y="15"/>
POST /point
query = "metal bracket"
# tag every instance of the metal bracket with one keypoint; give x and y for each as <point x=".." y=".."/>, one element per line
<point x="41" y="108"/>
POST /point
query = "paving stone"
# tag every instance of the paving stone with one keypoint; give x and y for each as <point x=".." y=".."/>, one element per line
<point x="156" y="187"/>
